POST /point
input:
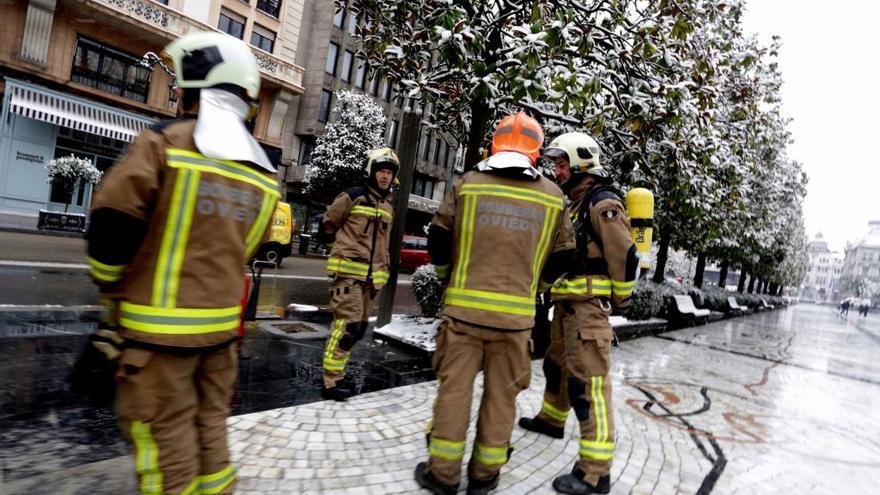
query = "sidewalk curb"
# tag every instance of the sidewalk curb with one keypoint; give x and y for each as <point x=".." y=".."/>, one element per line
<point x="51" y="233"/>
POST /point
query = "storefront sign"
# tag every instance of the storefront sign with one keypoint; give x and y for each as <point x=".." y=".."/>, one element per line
<point x="56" y="220"/>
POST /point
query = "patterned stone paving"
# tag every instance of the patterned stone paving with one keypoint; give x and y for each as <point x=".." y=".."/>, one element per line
<point x="696" y="413"/>
<point x="780" y="402"/>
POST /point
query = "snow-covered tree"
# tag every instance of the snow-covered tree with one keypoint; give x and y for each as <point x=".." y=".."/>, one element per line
<point x="68" y="172"/>
<point x="341" y="152"/>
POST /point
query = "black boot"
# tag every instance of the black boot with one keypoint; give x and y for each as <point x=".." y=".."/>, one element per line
<point x="426" y="480"/>
<point x="482" y="487"/>
<point x="343" y="390"/>
<point x="574" y="484"/>
<point x="538" y="425"/>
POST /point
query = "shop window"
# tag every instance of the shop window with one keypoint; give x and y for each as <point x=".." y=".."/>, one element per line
<point x="231" y="24"/>
<point x="103" y="67"/>
<point x="262" y="38"/>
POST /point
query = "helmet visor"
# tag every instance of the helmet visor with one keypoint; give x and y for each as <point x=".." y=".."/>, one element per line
<point x="555" y="153"/>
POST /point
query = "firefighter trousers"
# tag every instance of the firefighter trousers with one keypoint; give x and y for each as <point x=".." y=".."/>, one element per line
<point x="462" y="350"/>
<point x="351" y="301"/>
<point x="576" y="367"/>
<point x="173" y="408"/>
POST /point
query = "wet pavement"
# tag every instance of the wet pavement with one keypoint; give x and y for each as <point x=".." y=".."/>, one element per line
<point x="778" y="402"/>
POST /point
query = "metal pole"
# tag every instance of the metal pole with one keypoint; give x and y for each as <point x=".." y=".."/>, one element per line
<point x="409" y="144"/>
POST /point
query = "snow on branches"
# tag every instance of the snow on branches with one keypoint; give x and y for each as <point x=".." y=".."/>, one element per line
<point x="340" y="154"/>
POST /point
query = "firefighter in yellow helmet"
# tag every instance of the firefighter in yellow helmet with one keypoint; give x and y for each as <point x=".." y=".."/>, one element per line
<point x="577" y="362"/>
<point x="360" y="219"/>
<point x="498" y="233"/>
<point x="173" y="224"/>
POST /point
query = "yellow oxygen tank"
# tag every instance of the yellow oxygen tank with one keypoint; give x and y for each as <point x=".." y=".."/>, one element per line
<point x="640" y="207"/>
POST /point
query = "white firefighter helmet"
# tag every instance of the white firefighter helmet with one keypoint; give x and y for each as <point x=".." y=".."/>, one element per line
<point x="208" y="59"/>
<point x="581" y="150"/>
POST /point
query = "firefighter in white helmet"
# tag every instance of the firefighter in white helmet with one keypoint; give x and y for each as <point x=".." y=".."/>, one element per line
<point x="577" y="362"/>
<point x="360" y="219"/>
<point x="172" y="226"/>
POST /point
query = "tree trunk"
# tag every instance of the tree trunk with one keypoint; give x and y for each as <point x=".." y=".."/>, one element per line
<point x="741" y="285"/>
<point x="752" y="284"/>
<point x="773" y="289"/>
<point x="701" y="268"/>
<point x="662" y="256"/>
<point x="722" y="277"/>
<point x="476" y="133"/>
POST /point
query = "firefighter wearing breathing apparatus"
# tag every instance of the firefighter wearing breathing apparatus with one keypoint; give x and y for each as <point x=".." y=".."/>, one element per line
<point x="577" y="362"/>
<point x="172" y="226"/>
<point x="496" y="236"/>
<point x="360" y="218"/>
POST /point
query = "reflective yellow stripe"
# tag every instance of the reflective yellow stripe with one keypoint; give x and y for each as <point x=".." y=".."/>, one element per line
<point x="490" y="456"/>
<point x="166" y="278"/>
<point x="445" y="449"/>
<point x="490" y="301"/>
<point x="599" y="409"/>
<point x="601" y="451"/>
<point x="465" y="242"/>
<point x="519" y="193"/>
<point x="442" y="270"/>
<point x="543" y="247"/>
<point x="365" y="210"/>
<point x="330" y="363"/>
<point x="105" y="272"/>
<point x="192" y="488"/>
<point x="146" y="458"/>
<point x="355" y="268"/>
<point x="600" y="287"/>
<point x="178" y="158"/>
<point x="623" y="288"/>
<point x="255" y="236"/>
<point x="554" y="413"/>
<point x="178" y="321"/>
<point x="212" y="484"/>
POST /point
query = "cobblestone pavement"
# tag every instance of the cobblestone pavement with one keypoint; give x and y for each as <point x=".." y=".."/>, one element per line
<point x="779" y="402"/>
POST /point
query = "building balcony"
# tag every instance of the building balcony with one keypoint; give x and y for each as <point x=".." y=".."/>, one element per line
<point x="163" y="24"/>
<point x="271" y="7"/>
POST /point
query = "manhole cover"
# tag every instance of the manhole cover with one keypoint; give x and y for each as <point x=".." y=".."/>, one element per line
<point x="295" y="328"/>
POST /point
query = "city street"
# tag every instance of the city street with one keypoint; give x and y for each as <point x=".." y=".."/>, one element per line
<point x="778" y="402"/>
<point x="40" y="269"/>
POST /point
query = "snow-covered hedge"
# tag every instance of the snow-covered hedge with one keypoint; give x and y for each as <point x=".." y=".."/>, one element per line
<point x="651" y="300"/>
<point x="428" y="291"/>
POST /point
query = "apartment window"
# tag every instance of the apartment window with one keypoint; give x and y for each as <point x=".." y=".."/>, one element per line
<point x="231" y="24"/>
<point x="332" y="56"/>
<point x="271" y="7"/>
<point x="423" y="186"/>
<point x="360" y="77"/>
<point x="450" y="157"/>
<point x="352" y="24"/>
<point x="339" y="18"/>
<point x="262" y="38"/>
<point x="324" y="110"/>
<point x="392" y="134"/>
<point x="426" y="150"/>
<point x="347" y="61"/>
<point x="103" y="67"/>
<point x="386" y="90"/>
<point x="374" y="85"/>
<point x="436" y="150"/>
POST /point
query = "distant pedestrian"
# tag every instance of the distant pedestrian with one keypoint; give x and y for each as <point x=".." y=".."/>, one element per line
<point x="844" y="308"/>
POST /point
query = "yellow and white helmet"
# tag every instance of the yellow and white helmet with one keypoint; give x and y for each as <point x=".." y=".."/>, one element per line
<point x="209" y="59"/>
<point x="581" y="150"/>
<point x="382" y="158"/>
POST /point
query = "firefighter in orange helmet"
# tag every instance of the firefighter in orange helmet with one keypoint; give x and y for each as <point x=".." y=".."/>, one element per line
<point x="498" y="233"/>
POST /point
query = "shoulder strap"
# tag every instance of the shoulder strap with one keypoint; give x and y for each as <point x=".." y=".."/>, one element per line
<point x="594" y="196"/>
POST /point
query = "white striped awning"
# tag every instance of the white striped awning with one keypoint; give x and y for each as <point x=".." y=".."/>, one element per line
<point x="36" y="102"/>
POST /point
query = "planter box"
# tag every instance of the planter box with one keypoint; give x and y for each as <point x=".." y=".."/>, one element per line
<point x="65" y="222"/>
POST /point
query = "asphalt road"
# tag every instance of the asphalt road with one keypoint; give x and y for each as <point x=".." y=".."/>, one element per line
<point x="39" y="269"/>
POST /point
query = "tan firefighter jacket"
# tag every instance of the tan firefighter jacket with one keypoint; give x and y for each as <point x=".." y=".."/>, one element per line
<point x="205" y="218"/>
<point x="606" y="264"/>
<point x="361" y="219"/>
<point x="503" y="230"/>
